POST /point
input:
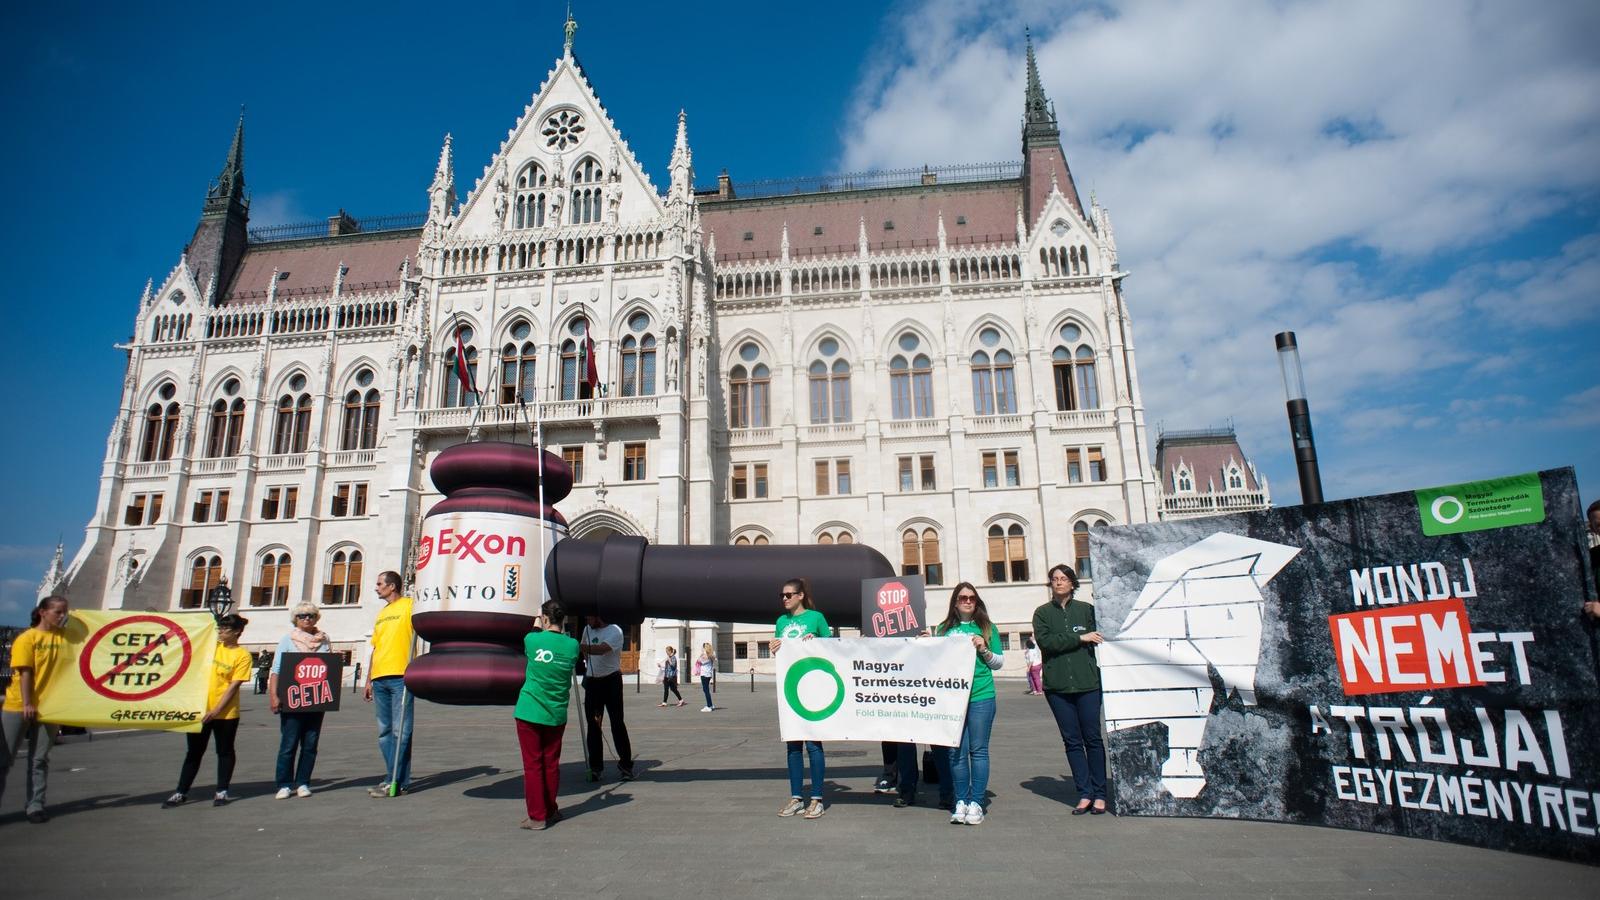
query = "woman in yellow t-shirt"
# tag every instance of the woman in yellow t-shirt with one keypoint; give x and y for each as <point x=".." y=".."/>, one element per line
<point x="230" y="668"/>
<point x="33" y="660"/>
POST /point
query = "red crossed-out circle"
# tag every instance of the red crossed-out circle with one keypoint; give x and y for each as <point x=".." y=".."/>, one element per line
<point x="97" y="684"/>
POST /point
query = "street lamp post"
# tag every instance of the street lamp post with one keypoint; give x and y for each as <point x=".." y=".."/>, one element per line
<point x="220" y="599"/>
<point x="1305" y="446"/>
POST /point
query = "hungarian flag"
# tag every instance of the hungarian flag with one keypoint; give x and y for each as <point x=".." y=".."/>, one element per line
<point x="463" y="373"/>
<point x="591" y="373"/>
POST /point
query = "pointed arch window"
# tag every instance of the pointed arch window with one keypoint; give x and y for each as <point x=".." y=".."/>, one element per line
<point x="919" y="555"/>
<point x="749" y="391"/>
<point x="836" y="536"/>
<point x="1072" y="364"/>
<point x="160" y="426"/>
<point x="1080" y="547"/>
<point x="272" y="580"/>
<point x="586" y="192"/>
<point x="830" y="392"/>
<point x="517" y="370"/>
<point x="291" y="428"/>
<point x="533" y="187"/>
<point x="637" y="369"/>
<point x="751" y="540"/>
<point x="343" y="587"/>
<point x="994" y="385"/>
<point x="1008" y="553"/>
<point x="227" y="428"/>
<point x="455" y="392"/>
<point x="360" y="431"/>
<point x="574" y="386"/>
<point x="205" y="573"/>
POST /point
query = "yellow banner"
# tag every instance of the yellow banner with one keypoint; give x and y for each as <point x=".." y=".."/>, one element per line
<point x="132" y="670"/>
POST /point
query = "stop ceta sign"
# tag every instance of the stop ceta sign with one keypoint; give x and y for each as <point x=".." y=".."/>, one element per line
<point x="140" y="663"/>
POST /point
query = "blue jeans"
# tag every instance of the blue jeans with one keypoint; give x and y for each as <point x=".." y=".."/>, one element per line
<point x="797" y="768"/>
<point x="705" y="685"/>
<point x="909" y="767"/>
<point x="298" y="730"/>
<point x="393" y="702"/>
<point x="1078" y="717"/>
<point x="969" y="765"/>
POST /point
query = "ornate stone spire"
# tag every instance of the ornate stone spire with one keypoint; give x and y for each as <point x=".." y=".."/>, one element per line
<point x="230" y="181"/>
<point x="442" y="192"/>
<point x="682" y="164"/>
<point x="54" y="577"/>
<point x="1039" y="117"/>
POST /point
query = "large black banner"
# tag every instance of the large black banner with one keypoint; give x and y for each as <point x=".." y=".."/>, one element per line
<point x="1415" y="664"/>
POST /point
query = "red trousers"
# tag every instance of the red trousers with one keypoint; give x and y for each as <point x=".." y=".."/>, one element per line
<point x="541" y="766"/>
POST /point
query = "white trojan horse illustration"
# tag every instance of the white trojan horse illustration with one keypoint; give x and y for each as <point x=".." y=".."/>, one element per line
<point x="1201" y="605"/>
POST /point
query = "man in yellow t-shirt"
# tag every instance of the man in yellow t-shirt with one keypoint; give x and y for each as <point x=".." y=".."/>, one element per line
<point x="392" y="640"/>
<point x="34" y="655"/>
<point x="230" y="668"/>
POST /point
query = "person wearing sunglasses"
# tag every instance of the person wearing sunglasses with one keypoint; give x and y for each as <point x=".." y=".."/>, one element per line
<point x="1066" y="633"/>
<point x="969" y="762"/>
<point x="801" y="621"/>
<point x="297" y="730"/>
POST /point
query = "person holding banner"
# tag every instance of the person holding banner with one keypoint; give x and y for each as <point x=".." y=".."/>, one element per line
<point x="541" y="713"/>
<point x="230" y="668"/>
<point x="969" y="762"/>
<point x="33" y="661"/>
<point x="1066" y="633"/>
<point x="801" y="621"/>
<point x="392" y="639"/>
<point x="297" y="729"/>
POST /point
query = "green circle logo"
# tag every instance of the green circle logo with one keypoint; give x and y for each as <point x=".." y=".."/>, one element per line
<point x="1447" y="510"/>
<point x="791" y="688"/>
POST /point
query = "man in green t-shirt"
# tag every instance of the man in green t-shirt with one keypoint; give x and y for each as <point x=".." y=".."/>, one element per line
<point x="541" y="712"/>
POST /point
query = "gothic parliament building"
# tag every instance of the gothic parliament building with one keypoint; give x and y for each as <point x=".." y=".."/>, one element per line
<point x="938" y="363"/>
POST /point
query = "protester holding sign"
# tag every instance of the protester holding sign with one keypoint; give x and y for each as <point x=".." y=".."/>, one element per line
<point x="297" y="730"/>
<point x="392" y="640"/>
<point x="800" y="621"/>
<point x="1065" y="631"/>
<point x="541" y="713"/>
<point x="34" y="654"/>
<point x="969" y="762"/>
<point x="230" y="668"/>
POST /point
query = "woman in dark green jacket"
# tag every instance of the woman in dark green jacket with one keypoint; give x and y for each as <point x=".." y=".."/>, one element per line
<point x="1064" y="629"/>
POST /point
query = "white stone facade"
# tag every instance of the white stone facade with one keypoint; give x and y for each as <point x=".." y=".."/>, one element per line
<point x="587" y="236"/>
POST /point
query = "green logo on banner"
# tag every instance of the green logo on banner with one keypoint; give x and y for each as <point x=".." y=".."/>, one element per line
<point x="1481" y="505"/>
<point x="791" y="688"/>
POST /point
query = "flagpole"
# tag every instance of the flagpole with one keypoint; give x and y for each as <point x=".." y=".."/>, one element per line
<point x="470" y="381"/>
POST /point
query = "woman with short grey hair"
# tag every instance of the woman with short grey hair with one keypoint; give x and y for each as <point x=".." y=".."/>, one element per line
<point x="297" y="730"/>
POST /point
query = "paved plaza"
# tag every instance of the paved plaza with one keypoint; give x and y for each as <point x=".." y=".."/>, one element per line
<point x="699" y="822"/>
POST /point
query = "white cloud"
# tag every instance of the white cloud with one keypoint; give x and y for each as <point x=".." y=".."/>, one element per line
<point x="277" y="208"/>
<point x="1289" y="166"/>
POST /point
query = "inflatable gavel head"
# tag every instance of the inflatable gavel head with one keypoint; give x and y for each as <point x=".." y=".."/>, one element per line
<point x="479" y="558"/>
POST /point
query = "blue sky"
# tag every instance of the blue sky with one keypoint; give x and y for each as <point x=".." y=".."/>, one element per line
<point x="1413" y="188"/>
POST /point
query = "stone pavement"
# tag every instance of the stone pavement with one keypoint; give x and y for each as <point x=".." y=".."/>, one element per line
<point x="699" y="822"/>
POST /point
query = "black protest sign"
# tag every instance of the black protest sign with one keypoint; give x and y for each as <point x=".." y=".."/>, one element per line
<point x="893" y="607"/>
<point x="309" y="682"/>
<point x="1415" y="664"/>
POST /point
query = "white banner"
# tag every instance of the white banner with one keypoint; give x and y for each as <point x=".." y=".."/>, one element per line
<point x="875" y="689"/>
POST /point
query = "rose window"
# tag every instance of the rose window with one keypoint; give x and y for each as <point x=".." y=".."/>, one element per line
<point x="563" y="130"/>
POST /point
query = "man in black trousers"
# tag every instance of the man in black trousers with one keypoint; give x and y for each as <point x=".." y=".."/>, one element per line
<point x="601" y="646"/>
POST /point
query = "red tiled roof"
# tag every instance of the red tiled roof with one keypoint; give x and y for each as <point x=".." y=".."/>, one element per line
<point x="990" y="209"/>
<point x="308" y="269"/>
<point x="1206" y="458"/>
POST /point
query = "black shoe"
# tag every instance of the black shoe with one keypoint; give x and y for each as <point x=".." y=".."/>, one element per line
<point x="38" y="817"/>
<point x="176" y="799"/>
<point x="885" y="783"/>
<point x="626" y="773"/>
<point x="1097" y="810"/>
<point x="903" y="801"/>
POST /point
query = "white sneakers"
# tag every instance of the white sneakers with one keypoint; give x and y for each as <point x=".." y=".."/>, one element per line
<point x="282" y="794"/>
<point x="285" y="793"/>
<point x="302" y="791"/>
<point x="967" y="813"/>
<point x="705" y="709"/>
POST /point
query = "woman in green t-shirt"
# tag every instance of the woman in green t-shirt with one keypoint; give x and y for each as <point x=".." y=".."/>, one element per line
<point x="801" y="622"/>
<point x="969" y="763"/>
<point x="541" y="713"/>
